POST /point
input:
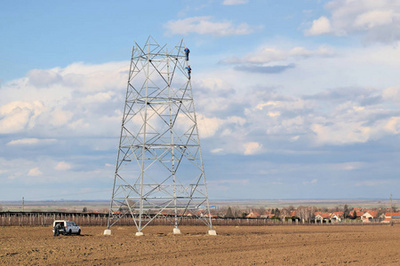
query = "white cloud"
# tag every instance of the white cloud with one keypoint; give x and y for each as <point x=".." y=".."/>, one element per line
<point x="251" y="148"/>
<point x="267" y="55"/>
<point x="64" y="101"/>
<point x="213" y="84"/>
<point x="34" y="172"/>
<point x="234" y="2"/>
<point x="392" y="94"/>
<point x="342" y="116"/>
<point x="238" y="113"/>
<point x="355" y="112"/>
<point x="320" y="26"/>
<point x="217" y="150"/>
<point x="341" y="133"/>
<point x="261" y="106"/>
<point x="62" y="166"/>
<point x="234" y="109"/>
<point x="79" y="124"/>
<point x="100" y="97"/>
<point x="374" y="19"/>
<point x="274" y="114"/>
<point x="204" y="25"/>
<point x="16" y="116"/>
<point x="208" y="126"/>
<point x="30" y="141"/>
<point x="25" y="173"/>
<point x="43" y="78"/>
<point x="379" y="20"/>
<point x="393" y="125"/>
<point x="60" y="117"/>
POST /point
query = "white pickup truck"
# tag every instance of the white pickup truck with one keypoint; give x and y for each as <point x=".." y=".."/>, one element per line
<point x="67" y="227"/>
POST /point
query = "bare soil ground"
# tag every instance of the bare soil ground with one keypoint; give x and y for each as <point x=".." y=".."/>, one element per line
<point x="273" y="245"/>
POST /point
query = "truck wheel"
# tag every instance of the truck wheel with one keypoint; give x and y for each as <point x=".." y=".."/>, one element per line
<point x="70" y="232"/>
<point x="79" y="231"/>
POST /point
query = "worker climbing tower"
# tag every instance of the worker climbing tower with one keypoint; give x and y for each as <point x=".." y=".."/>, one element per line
<point x="159" y="169"/>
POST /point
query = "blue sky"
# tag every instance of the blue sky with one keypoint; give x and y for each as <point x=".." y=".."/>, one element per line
<point x="295" y="99"/>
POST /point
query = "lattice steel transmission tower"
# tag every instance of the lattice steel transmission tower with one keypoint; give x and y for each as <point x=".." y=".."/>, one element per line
<point x="159" y="169"/>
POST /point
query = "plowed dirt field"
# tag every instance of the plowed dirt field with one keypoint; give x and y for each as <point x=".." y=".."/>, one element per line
<point x="273" y="245"/>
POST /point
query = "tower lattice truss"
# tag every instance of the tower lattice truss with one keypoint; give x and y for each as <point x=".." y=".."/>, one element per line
<point x="159" y="169"/>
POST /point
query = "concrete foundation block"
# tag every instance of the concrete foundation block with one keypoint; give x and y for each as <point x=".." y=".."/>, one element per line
<point x="212" y="232"/>
<point x="176" y="231"/>
<point x="139" y="233"/>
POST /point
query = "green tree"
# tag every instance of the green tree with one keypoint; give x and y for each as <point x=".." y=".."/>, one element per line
<point x="84" y="209"/>
<point x="229" y="213"/>
<point x="346" y="211"/>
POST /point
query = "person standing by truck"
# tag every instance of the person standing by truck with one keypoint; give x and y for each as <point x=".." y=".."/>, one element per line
<point x="57" y="229"/>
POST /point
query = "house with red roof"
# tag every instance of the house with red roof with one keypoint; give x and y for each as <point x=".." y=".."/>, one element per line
<point x="358" y="213"/>
<point x="339" y="214"/>
<point x="253" y="215"/>
<point x="322" y="217"/>
<point x="392" y="216"/>
<point x="267" y="215"/>
<point x="369" y="216"/>
<point x="337" y="217"/>
<point x="211" y="215"/>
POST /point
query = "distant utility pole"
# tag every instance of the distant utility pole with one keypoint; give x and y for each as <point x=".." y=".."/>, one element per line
<point x="391" y="210"/>
<point x="23" y="204"/>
